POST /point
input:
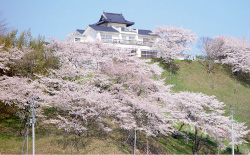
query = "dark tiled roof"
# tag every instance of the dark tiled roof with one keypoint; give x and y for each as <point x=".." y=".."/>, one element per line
<point x="144" y="32"/>
<point x="80" y="31"/>
<point x="103" y="28"/>
<point x="113" y="18"/>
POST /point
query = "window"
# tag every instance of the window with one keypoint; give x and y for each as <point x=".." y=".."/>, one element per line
<point x="132" y="52"/>
<point x="131" y="38"/>
<point x="124" y="37"/>
<point x="77" y="39"/>
<point x="149" y="54"/>
<point x="119" y="27"/>
<point x="145" y="40"/>
<point x="106" y="36"/>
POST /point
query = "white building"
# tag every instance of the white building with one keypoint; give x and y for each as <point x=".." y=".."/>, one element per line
<point x="115" y="29"/>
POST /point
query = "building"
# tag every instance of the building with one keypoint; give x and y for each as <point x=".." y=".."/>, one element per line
<point x="114" y="29"/>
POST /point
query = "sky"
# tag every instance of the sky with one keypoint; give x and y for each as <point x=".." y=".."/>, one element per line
<point x="57" y="18"/>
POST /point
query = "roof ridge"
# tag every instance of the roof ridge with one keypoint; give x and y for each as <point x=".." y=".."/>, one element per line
<point x="144" y="29"/>
<point x="103" y="28"/>
<point x="113" y="13"/>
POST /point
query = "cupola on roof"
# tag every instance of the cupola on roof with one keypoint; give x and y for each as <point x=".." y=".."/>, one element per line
<point x="113" y="18"/>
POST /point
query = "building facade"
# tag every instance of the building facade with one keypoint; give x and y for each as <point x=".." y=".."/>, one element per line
<point x="115" y="29"/>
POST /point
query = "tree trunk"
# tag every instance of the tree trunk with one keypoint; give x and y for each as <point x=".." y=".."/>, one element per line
<point x="76" y="144"/>
<point x="181" y="126"/>
<point x="194" y="149"/>
<point x="170" y="71"/>
<point x="197" y="140"/>
<point x="237" y="149"/>
<point x="175" y="135"/>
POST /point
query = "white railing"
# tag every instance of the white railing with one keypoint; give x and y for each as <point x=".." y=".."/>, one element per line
<point x="127" y="42"/>
<point x="129" y="30"/>
<point x="132" y="42"/>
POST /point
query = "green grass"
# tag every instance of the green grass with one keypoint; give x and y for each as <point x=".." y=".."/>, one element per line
<point x="50" y="140"/>
<point x="233" y="90"/>
<point x="195" y="78"/>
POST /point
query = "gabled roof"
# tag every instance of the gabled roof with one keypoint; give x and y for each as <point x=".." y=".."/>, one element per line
<point x="144" y="32"/>
<point x="113" y="18"/>
<point x="103" y="28"/>
<point x="80" y="31"/>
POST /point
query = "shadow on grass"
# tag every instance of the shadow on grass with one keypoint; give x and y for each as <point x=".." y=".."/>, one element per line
<point x="172" y="66"/>
<point x="242" y="78"/>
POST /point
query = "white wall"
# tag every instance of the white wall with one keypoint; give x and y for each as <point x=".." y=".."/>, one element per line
<point x="91" y="34"/>
<point x="114" y="35"/>
<point x="117" y="24"/>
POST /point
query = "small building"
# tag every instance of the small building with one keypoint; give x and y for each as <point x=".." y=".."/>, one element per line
<point x="114" y="29"/>
<point x="190" y="57"/>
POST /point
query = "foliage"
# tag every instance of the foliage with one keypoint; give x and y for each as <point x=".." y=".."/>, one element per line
<point x="145" y="103"/>
<point x="8" y="40"/>
<point x="205" y="47"/>
<point x="231" y="51"/>
<point x="3" y="25"/>
<point x="172" y="41"/>
<point x="25" y="56"/>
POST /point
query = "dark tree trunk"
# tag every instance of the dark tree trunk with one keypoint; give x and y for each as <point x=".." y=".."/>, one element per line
<point x="197" y="140"/>
<point x="181" y="126"/>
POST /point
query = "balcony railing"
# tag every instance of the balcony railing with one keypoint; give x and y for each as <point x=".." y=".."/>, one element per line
<point x="128" y="30"/>
<point x="127" y="42"/>
<point x="107" y="40"/>
<point x="132" y="42"/>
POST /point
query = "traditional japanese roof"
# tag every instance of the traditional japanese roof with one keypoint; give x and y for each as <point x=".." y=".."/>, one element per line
<point x="113" y="18"/>
<point x="80" y="31"/>
<point x="144" y="32"/>
<point x="103" y="28"/>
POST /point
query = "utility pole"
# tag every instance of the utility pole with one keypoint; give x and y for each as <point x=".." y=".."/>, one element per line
<point x="27" y="140"/>
<point x="147" y="143"/>
<point x="134" y="139"/>
<point x="232" y="120"/>
<point x="22" y="152"/>
<point x="33" y="122"/>
<point x="135" y="142"/>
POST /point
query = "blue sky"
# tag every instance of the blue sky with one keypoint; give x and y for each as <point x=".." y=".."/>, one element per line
<point x="57" y="18"/>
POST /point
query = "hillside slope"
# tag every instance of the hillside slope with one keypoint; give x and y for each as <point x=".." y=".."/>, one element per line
<point x="193" y="76"/>
<point x="188" y="76"/>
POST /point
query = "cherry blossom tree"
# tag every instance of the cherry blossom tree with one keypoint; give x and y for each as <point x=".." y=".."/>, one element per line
<point x="3" y="25"/>
<point x="240" y="131"/>
<point x="232" y="51"/>
<point x="9" y="57"/>
<point x="205" y="45"/>
<point x="108" y="101"/>
<point x="172" y="41"/>
<point x="120" y="91"/>
<point x="203" y="114"/>
<point x="16" y="91"/>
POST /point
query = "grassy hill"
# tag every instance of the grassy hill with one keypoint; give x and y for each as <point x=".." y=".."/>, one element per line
<point x="234" y="91"/>
<point x="50" y="140"/>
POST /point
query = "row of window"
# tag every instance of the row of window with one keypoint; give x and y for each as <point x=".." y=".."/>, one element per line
<point x="128" y="38"/>
<point x="149" y="54"/>
<point x="145" y="54"/>
<point x="106" y="36"/>
<point x="77" y="39"/>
